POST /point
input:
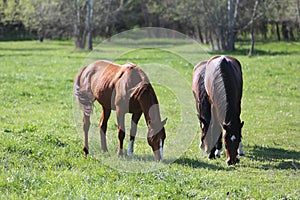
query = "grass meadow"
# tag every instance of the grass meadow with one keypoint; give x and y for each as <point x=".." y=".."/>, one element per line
<point x="41" y="144"/>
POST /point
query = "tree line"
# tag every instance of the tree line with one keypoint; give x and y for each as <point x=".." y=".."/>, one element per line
<point x="219" y="23"/>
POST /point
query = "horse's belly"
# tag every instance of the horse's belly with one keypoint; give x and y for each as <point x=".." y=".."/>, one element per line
<point x="106" y="99"/>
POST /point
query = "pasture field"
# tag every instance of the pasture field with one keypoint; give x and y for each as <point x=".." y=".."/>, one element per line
<point x="40" y="144"/>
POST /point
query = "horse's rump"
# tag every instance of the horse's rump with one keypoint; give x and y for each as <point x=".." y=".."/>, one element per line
<point x="83" y="92"/>
<point x="89" y="79"/>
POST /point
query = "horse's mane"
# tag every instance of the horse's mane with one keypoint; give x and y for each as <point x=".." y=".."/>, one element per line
<point x="227" y="89"/>
<point x="219" y="87"/>
<point x="140" y="89"/>
<point x="143" y="86"/>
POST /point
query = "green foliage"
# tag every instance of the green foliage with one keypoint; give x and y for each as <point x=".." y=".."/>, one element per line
<point x="205" y="20"/>
<point x="40" y="151"/>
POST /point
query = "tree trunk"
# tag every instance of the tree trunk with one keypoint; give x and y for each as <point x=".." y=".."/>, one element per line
<point x="211" y="41"/>
<point x="292" y="37"/>
<point x="218" y="44"/>
<point x="232" y="15"/>
<point x="230" y="26"/>
<point x="298" y="12"/>
<point x="200" y="34"/>
<point x="285" y="31"/>
<point x="89" y="23"/>
<point x="252" y="29"/>
<point x="277" y="31"/>
<point x="79" y="32"/>
<point x="221" y="36"/>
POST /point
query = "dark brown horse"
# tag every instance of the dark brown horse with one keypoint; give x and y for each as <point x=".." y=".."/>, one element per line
<point x="126" y="89"/>
<point x="217" y="87"/>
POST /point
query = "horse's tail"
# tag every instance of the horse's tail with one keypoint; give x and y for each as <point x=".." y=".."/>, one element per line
<point x="83" y="92"/>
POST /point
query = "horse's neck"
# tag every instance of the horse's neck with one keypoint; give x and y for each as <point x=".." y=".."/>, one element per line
<point x="150" y="107"/>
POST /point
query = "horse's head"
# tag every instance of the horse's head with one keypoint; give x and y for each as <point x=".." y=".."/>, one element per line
<point x="156" y="137"/>
<point x="232" y="138"/>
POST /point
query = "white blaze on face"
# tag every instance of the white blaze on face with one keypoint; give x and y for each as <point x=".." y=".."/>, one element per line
<point x="240" y="149"/>
<point x="232" y="138"/>
<point x="161" y="149"/>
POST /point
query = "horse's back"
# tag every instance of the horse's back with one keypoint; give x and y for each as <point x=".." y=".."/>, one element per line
<point x="224" y="69"/>
<point x="130" y="84"/>
<point x="112" y="85"/>
<point x="223" y="83"/>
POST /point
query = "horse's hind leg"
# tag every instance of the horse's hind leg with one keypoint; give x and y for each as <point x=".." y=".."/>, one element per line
<point x="216" y="150"/>
<point x="218" y="147"/>
<point x="103" y="127"/>
<point x="212" y="153"/>
<point x="86" y="127"/>
<point x="134" y="122"/>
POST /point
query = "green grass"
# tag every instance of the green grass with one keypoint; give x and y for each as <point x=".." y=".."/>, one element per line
<point x="40" y="151"/>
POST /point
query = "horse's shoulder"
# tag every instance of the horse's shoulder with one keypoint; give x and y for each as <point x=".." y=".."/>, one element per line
<point x="129" y="65"/>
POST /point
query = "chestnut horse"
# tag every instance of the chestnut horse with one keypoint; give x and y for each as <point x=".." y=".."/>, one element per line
<point x="217" y="88"/>
<point x="126" y="89"/>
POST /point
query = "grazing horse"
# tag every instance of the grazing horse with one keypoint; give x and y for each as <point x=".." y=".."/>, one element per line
<point x="126" y="89"/>
<point x="217" y="88"/>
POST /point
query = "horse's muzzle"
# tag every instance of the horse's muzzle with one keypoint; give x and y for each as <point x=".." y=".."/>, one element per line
<point x="230" y="161"/>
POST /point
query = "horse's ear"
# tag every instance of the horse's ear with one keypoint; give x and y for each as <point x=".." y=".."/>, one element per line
<point x="242" y="124"/>
<point x="164" y="121"/>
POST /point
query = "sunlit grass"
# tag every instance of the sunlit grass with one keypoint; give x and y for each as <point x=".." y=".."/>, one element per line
<point x="40" y="151"/>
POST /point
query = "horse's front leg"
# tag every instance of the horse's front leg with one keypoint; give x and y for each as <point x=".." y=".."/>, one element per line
<point x="86" y="127"/>
<point x="134" y="122"/>
<point x="103" y="127"/>
<point x="121" y="130"/>
<point x="216" y="150"/>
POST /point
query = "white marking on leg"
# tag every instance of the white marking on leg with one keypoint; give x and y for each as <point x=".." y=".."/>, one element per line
<point x="130" y="148"/>
<point x="218" y="153"/>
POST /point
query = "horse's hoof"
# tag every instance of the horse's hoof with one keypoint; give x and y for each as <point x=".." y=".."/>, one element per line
<point x="86" y="151"/>
<point x="130" y="154"/>
<point x="231" y="162"/>
<point x="211" y="156"/>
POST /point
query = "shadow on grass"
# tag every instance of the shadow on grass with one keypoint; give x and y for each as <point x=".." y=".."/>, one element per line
<point x="277" y="158"/>
<point x="195" y="163"/>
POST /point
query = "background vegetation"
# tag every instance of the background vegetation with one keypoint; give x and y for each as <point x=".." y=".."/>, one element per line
<point x="217" y="22"/>
<point x="40" y="151"/>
